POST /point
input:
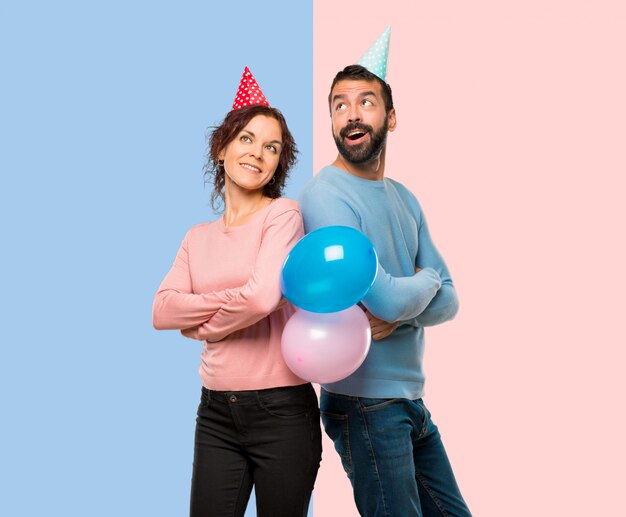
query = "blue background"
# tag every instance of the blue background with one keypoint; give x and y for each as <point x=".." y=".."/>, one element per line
<point x="105" y="106"/>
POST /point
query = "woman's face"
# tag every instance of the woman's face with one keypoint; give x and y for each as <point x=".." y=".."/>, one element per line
<point x="251" y="158"/>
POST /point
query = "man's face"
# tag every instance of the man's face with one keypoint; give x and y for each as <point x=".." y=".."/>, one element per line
<point x="359" y="120"/>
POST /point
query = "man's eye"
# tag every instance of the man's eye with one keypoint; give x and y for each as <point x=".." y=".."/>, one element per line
<point x="366" y="102"/>
<point x="340" y="106"/>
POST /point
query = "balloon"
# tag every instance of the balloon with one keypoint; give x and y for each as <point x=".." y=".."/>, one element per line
<point x="326" y="347"/>
<point x="329" y="270"/>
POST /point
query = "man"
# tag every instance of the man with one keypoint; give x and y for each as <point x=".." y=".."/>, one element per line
<point x="389" y="446"/>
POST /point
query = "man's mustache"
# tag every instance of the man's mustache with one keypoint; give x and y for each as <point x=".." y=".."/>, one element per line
<point x="355" y="125"/>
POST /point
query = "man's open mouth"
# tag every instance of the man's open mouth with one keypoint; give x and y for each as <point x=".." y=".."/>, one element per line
<point x="356" y="136"/>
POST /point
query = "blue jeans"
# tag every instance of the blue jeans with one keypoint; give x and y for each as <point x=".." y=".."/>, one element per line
<point x="393" y="455"/>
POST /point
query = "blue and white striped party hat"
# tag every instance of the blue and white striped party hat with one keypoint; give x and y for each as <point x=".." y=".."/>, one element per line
<point x="375" y="59"/>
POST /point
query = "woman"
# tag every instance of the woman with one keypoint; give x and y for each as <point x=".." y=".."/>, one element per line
<point x="257" y="423"/>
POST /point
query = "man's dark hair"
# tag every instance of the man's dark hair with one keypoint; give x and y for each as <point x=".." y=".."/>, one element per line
<point x="360" y="73"/>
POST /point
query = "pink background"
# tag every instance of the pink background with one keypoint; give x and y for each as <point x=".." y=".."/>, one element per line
<point x="511" y="132"/>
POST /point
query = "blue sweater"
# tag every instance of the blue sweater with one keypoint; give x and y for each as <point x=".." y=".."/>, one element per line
<point x="391" y="217"/>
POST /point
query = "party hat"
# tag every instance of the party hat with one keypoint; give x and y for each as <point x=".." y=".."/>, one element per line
<point x="375" y="59"/>
<point x="249" y="92"/>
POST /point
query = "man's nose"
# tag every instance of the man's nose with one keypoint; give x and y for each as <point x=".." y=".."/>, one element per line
<point x="354" y="115"/>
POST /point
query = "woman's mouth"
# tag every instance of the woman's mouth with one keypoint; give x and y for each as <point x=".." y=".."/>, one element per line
<point x="250" y="167"/>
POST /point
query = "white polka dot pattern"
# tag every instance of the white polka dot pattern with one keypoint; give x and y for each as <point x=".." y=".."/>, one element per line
<point x="249" y="92"/>
<point x="375" y="59"/>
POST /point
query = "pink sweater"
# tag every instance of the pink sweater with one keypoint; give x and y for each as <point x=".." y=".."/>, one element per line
<point x="224" y="288"/>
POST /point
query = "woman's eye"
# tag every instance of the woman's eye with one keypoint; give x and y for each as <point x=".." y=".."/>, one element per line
<point x="270" y="148"/>
<point x="245" y="138"/>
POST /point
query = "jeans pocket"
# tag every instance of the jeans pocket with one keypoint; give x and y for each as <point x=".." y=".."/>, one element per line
<point x="336" y="427"/>
<point x="425" y="418"/>
<point x="369" y="404"/>
<point x="291" y="402"/>
<point x="204" y="411"/>
<point x="205" y="399"/>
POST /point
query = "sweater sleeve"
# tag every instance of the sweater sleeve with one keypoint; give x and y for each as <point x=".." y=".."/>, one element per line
<point x="175" y="305"/>
<point x="261" y="294"/>
<point x="445" y="305"/>
<point x="390" y="298"/>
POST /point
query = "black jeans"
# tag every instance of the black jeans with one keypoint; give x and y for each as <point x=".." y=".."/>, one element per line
<point x="267" y="438"/>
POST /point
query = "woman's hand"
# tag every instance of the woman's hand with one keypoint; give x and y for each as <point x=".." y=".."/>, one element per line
<point x="283" y="303"/>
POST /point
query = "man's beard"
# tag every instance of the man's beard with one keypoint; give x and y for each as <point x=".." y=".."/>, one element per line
<point x="366" y="151"/>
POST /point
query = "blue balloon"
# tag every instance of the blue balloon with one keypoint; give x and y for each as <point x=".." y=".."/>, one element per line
<point x="329" y="270"/>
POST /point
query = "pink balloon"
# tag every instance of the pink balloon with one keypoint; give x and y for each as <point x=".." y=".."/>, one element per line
<point x="326" y="347"/>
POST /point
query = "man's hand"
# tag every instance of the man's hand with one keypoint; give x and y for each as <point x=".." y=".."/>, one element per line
<point x="380" y="329"/>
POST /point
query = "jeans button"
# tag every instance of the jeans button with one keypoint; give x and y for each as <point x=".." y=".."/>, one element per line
<point x="233" y="398"/>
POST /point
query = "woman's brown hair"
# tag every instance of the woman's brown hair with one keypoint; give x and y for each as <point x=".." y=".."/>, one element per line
<point x="227" y="131"/>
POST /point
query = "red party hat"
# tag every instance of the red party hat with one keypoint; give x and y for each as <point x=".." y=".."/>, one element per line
<point x="249" y="92"/>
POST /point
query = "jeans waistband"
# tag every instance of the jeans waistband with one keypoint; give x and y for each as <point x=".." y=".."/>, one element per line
<point x="355" y="398"/>
<point x="250" y="396"/>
